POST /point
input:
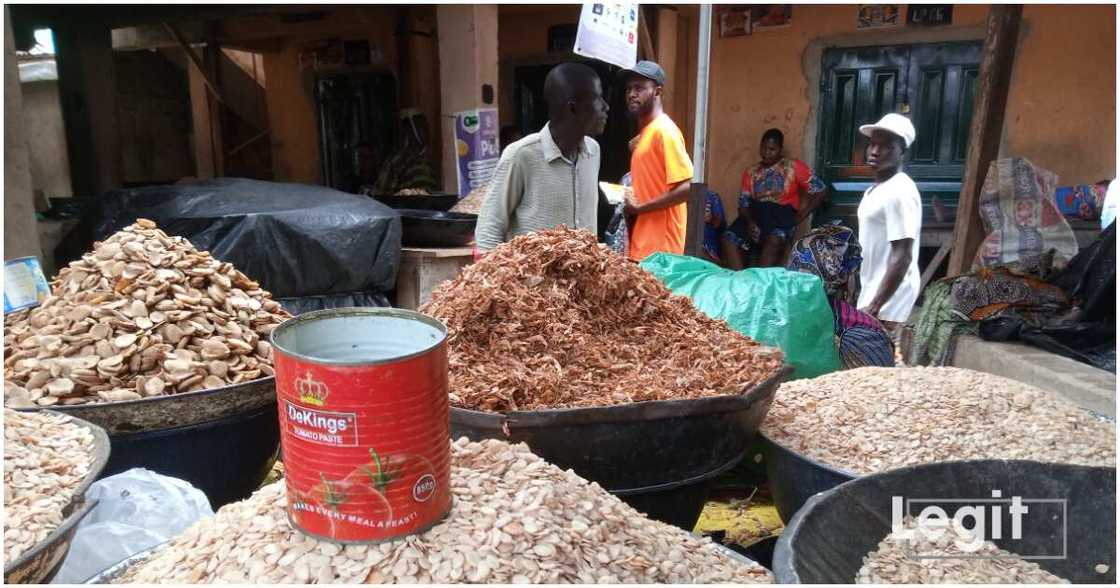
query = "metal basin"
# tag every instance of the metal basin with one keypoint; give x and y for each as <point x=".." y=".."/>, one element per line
<point x="658" y="456"/>
<point x="431" y="228"/>
<point x="1070" y="523"/>
<point x="638" y="447"/>
<point x="223" y="440"/>
<point x="40" y="563"/>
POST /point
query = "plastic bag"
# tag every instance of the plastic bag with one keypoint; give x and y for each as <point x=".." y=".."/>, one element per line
<point x="136" y="510"/>
<point x="771" y="305"/>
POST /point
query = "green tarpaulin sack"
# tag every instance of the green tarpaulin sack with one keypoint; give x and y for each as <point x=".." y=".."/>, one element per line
<point x="770" y="305"/>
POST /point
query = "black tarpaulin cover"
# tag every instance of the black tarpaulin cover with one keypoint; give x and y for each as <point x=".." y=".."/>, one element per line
<point x="297" y="240"/>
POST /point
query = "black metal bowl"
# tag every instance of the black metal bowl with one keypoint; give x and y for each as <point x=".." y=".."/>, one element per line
<point x="440" y="202"/>
<point x="430" y="228"/>
<point x="794" y="477"/>
<point x="638" y="447"/>
<point x="1070" y="522"/>
<point x="222" y="440"/>
<point x="40" y="563"/>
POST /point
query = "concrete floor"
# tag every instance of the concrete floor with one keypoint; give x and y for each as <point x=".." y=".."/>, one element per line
<point x="1089" y="387"/>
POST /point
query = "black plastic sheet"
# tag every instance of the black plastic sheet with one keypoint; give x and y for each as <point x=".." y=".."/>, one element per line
<point x="297" y="240"/>
<point x="300" y="305"/>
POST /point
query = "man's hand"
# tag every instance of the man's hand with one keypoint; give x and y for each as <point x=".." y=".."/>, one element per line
<point x="873" y="309"/>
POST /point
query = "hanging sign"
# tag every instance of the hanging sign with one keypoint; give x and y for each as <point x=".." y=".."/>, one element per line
<point x="476" y="144"/>
<point x="608" y="31"/>
<point x="929" y="15"/>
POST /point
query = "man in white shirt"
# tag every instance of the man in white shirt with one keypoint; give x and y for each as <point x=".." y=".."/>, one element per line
<point x="550" y="178"/>
<point x="890" y="225"/>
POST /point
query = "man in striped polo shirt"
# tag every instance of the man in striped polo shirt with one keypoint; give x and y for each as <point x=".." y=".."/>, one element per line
<point x="550" y="178"/>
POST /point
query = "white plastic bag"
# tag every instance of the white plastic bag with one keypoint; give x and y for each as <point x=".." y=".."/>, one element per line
<point x="136" y="510"/>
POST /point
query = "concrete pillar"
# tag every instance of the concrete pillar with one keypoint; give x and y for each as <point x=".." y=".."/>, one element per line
<point x="21" y="237"/>
<point x="468" y="59"/>
<point x="87" y="84"/>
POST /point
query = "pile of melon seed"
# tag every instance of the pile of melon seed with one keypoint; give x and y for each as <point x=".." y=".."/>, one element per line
<point x="515" y="519"/>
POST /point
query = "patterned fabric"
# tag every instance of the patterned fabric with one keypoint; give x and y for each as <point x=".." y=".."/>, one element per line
<point x="781" y="183"/>
<point x="865" y="346"/>
<point x="988" y="292"/>
<point x="1026" y="230"/>
<point x="937" y="327"/>
<point x="715" y="223"/>
<point x="847" y="316"/>
<point x="831" y="252"/>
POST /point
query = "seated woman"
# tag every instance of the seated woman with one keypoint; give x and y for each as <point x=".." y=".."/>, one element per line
<point x="832" y="253"/>
<point x="777" y="195"/>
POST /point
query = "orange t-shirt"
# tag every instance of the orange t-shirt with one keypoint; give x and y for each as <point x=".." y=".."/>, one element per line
<point x="659" y="161"/>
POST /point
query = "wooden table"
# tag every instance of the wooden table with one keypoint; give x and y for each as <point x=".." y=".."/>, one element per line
<point x="423" y="268"/>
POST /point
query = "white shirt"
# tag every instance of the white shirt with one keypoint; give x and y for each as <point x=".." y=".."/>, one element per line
<point x="535" y="188"/>
<point x="889" y="212"/>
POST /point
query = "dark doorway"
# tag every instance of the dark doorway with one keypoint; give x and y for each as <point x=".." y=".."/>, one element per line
<point x="355" y="110"/>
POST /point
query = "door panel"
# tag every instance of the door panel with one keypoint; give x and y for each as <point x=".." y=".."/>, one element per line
<point x="933" y="84"/>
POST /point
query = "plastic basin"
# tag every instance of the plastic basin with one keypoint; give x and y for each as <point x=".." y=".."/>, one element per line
<point x="827" y="539"/>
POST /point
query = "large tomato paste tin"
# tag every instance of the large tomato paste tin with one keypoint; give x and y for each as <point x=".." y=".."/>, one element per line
<point x="364" y="422"/>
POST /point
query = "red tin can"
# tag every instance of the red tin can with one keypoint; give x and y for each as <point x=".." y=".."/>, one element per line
<point x="364" y="422"/>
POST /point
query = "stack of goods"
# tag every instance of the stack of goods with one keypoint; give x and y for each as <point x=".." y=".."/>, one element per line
<point x="943" y="561"/>
<point x="515" y="519"/>
<point x="553" y="319"/>
<point x="142" y="315"/>
<point x="870" y="420"/>
<point x="472" y="203"/>
<point x="46" y="458"/>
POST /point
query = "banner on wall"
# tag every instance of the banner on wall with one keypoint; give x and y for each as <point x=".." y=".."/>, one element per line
<point x="476" y="145"/>
<point x="608" y="31"/>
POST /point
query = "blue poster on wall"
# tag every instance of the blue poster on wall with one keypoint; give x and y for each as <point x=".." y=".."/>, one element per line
<point x="476" y="144"/>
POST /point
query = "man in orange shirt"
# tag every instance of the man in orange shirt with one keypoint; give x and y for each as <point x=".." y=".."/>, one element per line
<point x="660" y="168"/>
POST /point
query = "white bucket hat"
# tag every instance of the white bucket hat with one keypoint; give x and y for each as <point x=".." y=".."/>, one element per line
<point x="895" y="124"/>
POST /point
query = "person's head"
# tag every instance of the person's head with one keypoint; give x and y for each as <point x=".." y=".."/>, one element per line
<point x="575" y="99"/>
<point x="888" y="141"/>
<point x="509" y="134"/>
<point x="644" y="85"/>
<point x="770" y="148"/>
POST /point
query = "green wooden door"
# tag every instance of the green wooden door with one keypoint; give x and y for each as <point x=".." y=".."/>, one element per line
<point x="933" y="84"/>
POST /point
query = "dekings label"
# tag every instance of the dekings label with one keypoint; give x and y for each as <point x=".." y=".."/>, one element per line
<point x="337" y="429"/>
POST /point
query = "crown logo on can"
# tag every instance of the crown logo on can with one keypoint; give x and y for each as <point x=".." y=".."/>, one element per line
<point x="310" y="391"/>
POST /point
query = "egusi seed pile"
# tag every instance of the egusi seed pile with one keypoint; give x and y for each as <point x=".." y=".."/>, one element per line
<point x="143" y="314"/>
<point x="869" y="420"/>
<point x="911" y="556"/>
<point x="46" y="458"/>
<point x="515" y="519"/>
<point x="553" y="319"/>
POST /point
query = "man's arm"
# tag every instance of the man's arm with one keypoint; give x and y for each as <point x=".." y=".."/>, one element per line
<point x="897" y="265"/>
<point x="677" y="194"/>
<point x="502" y="198"/>
<point x="809" y="203"/>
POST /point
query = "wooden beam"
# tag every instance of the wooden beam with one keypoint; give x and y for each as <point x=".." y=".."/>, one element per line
<point x="195" y="60"/>
<point x="694" y="227"/>
<point x="993" y="84"/>
<point x="206" y="116"/>
<point x="938" y="259"/>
